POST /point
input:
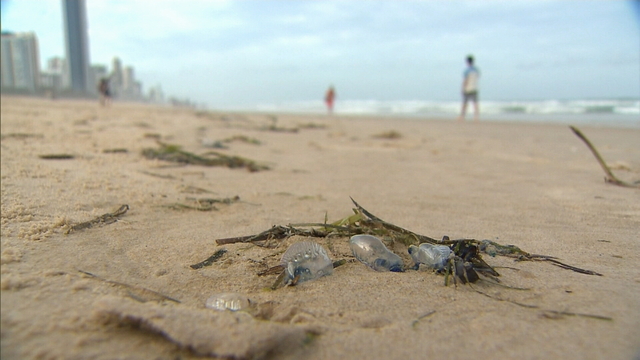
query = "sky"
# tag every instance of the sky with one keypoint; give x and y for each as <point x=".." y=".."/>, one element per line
<point x="225" y="54"/>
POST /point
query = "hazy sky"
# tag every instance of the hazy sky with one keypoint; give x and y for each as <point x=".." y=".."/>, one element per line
<point x="235" y="53"/>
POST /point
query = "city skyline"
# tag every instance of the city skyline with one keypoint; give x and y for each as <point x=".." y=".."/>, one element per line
<point x="21" y="74"/>
<point x="73" y="75"/>
<point x="228" y="53"/>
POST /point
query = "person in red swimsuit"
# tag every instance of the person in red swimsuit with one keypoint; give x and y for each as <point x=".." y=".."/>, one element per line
<point x="329" y="98"/>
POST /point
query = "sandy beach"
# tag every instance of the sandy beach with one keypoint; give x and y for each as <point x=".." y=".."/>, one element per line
<point x="536" y="186"/>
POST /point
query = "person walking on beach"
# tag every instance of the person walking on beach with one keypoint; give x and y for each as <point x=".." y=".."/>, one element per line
<point x="470" y="90"/>
<point x="329" y="98"/>
<point x="105" y="93"/>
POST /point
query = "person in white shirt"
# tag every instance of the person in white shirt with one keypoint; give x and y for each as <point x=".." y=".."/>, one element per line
<point x="470" y="89"/>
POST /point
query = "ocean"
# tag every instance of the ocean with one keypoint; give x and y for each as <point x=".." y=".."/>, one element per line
<point x="617" y="113"/>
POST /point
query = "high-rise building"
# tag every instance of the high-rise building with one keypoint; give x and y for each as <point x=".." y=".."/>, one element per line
<point x="20" y="61"/>
<point x="128" y="79"/>
<point x="58" y="65"/>
<point x="131" y="88"/>
<point x="77" y="42"/>
<point x="116" y="77"/>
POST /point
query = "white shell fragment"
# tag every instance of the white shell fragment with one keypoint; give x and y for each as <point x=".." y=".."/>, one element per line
<point x="228" y="301"/>
<point x="371" y="251"/>
<point x="308" y="260"/>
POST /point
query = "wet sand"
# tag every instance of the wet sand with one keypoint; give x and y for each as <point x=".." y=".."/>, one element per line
<point x="535" y="186"/>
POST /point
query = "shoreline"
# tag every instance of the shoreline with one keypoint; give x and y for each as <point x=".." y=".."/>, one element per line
<point x="596" y="119"/>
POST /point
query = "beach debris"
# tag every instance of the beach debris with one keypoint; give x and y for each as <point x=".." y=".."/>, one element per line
<point x="282" y="278"/>
<point x="210" y="260"/>
<point x="215" y="144"/>
<point x="115" y="151"/>
<point x="228" y="301"/>
<point x="465" y="264"/>
<point x="155" y="136"/>
<point x="434" y="256"/>
<point x="305" y="261"/>
<point x="105" y="219"/>
<point x="312" y="126"/>
<point x="161" y="176"/>
<point x="137" y="293"/>
<point x="174" y="153"/>
<point x="20" y="136"/>
<point x="56" y="156"/>
<point x="205" y="204"/>
<point x="274" y="270"/>
<point x="370" y="251"/>
<point x="276" y="128"/>
<point x="422" y="317"/>
<point x="190" y="189"/>
<point x="609" y="177"/>
<point x="389" y="135"/>
<point x="242" y="138"/>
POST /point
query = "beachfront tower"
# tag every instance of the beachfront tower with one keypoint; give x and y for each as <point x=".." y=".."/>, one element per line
<point x="20" y="62"/>
<point x="77" y="42"/>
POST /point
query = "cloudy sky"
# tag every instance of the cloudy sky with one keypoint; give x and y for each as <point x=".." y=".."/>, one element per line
<point x="242" y="53"/>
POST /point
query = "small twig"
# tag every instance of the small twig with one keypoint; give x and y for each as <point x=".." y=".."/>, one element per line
<point x="610" y="178"/>
<point x="161" y="176"/>
<point x="569" y="267"/>
<point x="416" y="321"/>
<point x="104" y="219"/>
<point x="272" y="270"/>
<point x="597" y="317"/>
<point x="281" y="281"/>
<point x="568" y="313"/>
<point x="210" y="260"/>
<point x="56" y="156"/>
<point x="131" y="290"/>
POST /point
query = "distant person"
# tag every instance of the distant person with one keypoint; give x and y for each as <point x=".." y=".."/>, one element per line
<point x="105" y="93"/>
<point x="329" y="98"/>
<point x="470" y="90"/>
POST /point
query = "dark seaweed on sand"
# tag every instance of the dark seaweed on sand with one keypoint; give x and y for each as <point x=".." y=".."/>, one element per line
<point x="174" y="153"/>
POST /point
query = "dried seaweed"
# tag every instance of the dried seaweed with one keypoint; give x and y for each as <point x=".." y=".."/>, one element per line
<point x="364" y="222"/>
<point x="312" y="126"/>
<point x="20" y="136"/>
<point x="242" y="138"/>
<point x="104" y="219"/>
<point x="56" y="156"/>
<point x="609" y="177"/>
<point x="174" y="153"/>
<point x="390" y="135"/>
<point x="115" y="151"/>
<point x="210" y="260"/>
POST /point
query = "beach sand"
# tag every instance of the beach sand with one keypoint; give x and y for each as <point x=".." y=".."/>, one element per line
<point x="536" y="186"/>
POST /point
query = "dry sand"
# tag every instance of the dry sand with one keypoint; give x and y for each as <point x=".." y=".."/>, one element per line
<point x="532" y="185"/>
